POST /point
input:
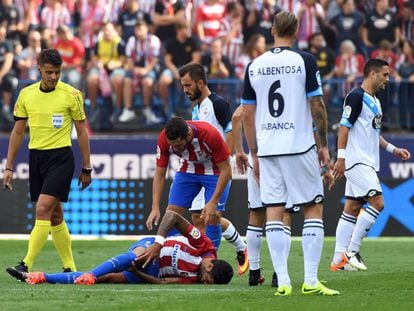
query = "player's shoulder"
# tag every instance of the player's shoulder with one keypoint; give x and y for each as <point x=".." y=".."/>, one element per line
<point x="29" y="89"/>
<point x="355" y="96"/>
<point x="217" y="99"/>
<point x="68" y="89"/>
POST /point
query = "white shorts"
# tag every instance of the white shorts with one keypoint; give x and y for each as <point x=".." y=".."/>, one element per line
<point x="361" y="181"/>
<point x="198" y="202"/>
<point x="294" y="176"/>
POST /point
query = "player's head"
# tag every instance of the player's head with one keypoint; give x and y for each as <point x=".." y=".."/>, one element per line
<point x="50" y="64"/>
<point x="285" y="25"/>
<point x="216" y="271"/>
<point x="178" y="133"/>
<point x="377" y="71"/>
<point x="193" y="78"/>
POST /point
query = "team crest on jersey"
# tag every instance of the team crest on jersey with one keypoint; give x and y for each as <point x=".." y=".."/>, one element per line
<point x="57" y="120"/>
<point x="347" y="112"/>
<point x="195" y="233"/>
<point x="376" y="122"/>
<point x="158" y="152"/>
<point x="277" y="50"/>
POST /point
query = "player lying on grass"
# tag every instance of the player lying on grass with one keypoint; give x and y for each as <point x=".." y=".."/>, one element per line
<point x="187" y="259"/>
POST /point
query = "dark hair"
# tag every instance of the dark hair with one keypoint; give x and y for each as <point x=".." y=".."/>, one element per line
<point x="195" y="70"/>
<point x="285" y="24"/>
<point x="50" y="56"/>
<point x="374" y="64"/>
<point x="176" y="127"/>
<point x="222" y="271"/>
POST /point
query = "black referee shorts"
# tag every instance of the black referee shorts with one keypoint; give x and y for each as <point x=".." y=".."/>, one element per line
<point x="51" y="172"/>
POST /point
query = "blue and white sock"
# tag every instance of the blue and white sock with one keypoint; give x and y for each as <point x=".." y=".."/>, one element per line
<point x="364" y="222"/>
<point x="115" y="264"/>
<point x="62" y="278"/>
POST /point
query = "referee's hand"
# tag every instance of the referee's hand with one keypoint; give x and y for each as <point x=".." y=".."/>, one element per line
<point x="84" y="180"/>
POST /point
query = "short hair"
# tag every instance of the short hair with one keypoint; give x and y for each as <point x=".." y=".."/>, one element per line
<point x="374" y="64"/>
<point x="50" y="56"/>
<point x="175" y="128"/>
<point x="222" y="271"/>
<point x="285" y="24"/>
<point x="195" y="70"/>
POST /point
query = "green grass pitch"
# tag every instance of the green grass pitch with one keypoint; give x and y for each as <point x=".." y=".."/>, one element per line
<point x="387" y="285"/>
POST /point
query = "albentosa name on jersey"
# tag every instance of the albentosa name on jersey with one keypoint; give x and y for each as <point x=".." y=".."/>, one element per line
<point x="264" y="71"/>
<point x="277" y="126"/>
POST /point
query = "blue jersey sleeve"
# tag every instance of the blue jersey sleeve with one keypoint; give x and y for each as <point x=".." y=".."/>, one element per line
<point x="352" y="107"/>
<point x="222" y="112"/>
<point x="313" y="77"/>
<point x="249" y="94"/>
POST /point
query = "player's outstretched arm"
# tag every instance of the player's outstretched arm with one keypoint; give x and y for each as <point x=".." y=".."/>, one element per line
<point x="401" y="153"/>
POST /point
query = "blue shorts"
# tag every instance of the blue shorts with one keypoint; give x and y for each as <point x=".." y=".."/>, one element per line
<point x="151" y="269"/>
<point x="185" y="188"/>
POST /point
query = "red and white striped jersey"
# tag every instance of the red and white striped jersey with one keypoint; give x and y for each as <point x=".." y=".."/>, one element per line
<point x="201" y="155"/>
<point x="210" y="16"/>
<point x="181" y="255"/>
<point x="143" y="51"/>
<point x="308" y="23"/>
<point x="92" y="20"/>
<point x="233" y="48"/>
<point x="52" y="17"/>
<point x="148" y="6"/>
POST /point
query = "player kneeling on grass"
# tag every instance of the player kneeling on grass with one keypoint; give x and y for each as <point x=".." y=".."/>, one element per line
<point x="187" y="259"/>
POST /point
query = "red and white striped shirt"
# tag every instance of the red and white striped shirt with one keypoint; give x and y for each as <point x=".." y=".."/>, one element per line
<point x="233" y="48"/>
<point x="143" y="51"/>
<point x="53" y="17"/>
<point x="181" y="255"/>
<point x="201" y="155"/>
<point x="308" y="23"/>
<point x="92" y="20"/>
<point x="210" y="16"/>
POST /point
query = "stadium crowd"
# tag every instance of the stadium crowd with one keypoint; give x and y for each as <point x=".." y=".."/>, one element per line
<point x="125" y="54"/>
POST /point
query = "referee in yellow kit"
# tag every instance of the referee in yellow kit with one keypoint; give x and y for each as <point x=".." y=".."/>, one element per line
<point x="50" y="107"/>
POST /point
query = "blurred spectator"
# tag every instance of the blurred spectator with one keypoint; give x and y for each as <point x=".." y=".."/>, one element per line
<point x="381" y="23"/>
<point x="310" y="13"/>
<point x="27" y="59"/>
<point x="348" y="25"/>
<point x="179" y="51"/>
<point x="349" y="66"/>
<point x="217" y="64"/>
<point x="92" y="20"/>
<point x="207" y="21"/>
<point x="46" y="37"/>
<point x="405" y="75"/>
<point x="8" y="80"/>
<point x="72" y="51"/>
<point x="287" y="5"/>
<point x="231" y="32"/>
<point x="112" y="10"/>
<point x="148" y="6"/>
<point x="255" y="47"/>
<point x="168" y="13"/>
<point x="325" y="59"/>
<point x="11" y="18"/>
<point x="142" y="52"/>
<point x="386" y="96"/>
<point x="384" y="52"/>
<point x="407" y="21"/>
<point x="54" y="14"/>
<point x="106" y="67"/>
<point x="29" y="11"/>
<point x="128" y="18"/>
<point x="259" y="19"/>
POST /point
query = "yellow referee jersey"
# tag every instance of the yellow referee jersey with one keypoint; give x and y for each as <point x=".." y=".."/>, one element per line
<point x="50" y="114"/>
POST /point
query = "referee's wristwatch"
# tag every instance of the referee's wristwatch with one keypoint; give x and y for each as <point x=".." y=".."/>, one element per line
<point x="87" y="170"/>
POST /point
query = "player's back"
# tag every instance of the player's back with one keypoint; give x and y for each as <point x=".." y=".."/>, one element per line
<point x="280" y="81"/>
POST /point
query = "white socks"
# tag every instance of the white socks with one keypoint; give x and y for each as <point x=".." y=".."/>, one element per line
<point x="312" y="243"/>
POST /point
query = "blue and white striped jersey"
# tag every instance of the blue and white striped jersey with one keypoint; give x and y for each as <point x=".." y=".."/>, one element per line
<point x="279" y="83"/>
<point x="362" y="114"/>
<point x="215" y="110"/>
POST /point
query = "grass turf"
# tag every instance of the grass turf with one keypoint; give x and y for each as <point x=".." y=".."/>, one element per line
<point x="387" y="285"/>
